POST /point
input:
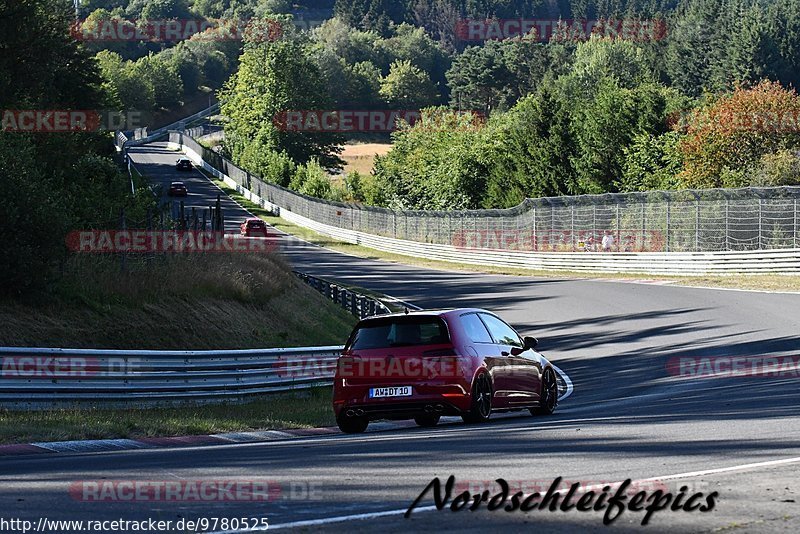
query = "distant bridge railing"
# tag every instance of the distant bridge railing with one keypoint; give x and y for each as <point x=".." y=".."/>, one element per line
<point x="48" y="377"/>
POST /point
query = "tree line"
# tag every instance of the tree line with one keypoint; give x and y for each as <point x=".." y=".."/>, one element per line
<point x="56" y="182"/>
<point x="564" y="116"/>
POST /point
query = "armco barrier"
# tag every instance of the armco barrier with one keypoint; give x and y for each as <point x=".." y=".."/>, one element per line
<point x="357" y="304"/>
<point x="44" y="377"/>
<point x="775" y="261"/>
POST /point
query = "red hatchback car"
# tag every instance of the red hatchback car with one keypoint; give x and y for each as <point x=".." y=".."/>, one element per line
<point x="423" y="365"/>
<point x="254" y="227"/>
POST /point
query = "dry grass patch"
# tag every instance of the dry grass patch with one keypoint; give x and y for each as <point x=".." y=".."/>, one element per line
<point x="361" y="157"/>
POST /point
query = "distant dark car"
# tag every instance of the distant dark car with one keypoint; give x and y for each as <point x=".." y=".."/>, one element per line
<point x="423" y="365"/>
<point x="183" y="164"/>
<point x="254" y="227"/>
<point x="178" y="189"/>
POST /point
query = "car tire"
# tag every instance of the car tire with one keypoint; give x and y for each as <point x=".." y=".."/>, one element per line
<point x="549" y="396"/>
<point x="352" y="425"/>
<point x="427" y="420"/>
<point x="481" y="407"/>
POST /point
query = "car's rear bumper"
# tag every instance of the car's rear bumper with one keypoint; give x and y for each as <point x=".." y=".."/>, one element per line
<point x="443" y="399"/>
<point x="401" y="410"/>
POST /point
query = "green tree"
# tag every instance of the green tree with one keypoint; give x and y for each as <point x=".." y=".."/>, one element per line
<point x="181" y="60"/>
<point x="413" y="44"/>
<point x="407" y="87"/>
<point x="532" y="151"/>
<point x="606" y="124"/>
<point x="726" y="139"/>
<point x="125" y="89"/>
<point x="651" y="162"/>
<point x="696" y="46"/>
<point x="438" y="163"/>
<point x="164" y="78"/>
<point x="276" y="77"/>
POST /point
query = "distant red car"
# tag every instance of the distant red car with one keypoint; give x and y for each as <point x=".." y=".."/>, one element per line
<point x="254" y="227"/>
<point x="178" y="189"/>
<point x="423" y="365"/>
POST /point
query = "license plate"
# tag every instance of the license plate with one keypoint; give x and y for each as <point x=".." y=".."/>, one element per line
<point x="395" y="391"/>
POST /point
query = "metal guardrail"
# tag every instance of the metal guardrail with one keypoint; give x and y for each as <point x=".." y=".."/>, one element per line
<point x="359" y="305"/>
<point x="47" y="377"/>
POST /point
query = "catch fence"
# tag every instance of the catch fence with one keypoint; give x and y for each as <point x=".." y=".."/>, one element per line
<point x="656" y="221"/>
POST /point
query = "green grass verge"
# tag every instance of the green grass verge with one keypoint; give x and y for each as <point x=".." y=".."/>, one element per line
<point x="751" y="282"/>
<point x="301" y="409"/>
<point x="197" y="302"/>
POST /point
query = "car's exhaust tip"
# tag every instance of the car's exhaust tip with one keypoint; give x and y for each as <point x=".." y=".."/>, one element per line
<point x="359" y="413"/>
<point x="350" y="413"/>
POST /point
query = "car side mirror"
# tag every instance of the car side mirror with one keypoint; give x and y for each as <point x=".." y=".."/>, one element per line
<point x="530" y="342"/>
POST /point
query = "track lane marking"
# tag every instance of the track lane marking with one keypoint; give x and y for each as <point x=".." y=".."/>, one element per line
<point x="566" y="380"/>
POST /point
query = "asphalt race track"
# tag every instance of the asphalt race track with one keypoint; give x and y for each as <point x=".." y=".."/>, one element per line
<point x="628" y="417"/>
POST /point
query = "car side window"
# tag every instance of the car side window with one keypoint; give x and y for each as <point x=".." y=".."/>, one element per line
<point x="475" y="329"/>
<point x="501" y="332"/>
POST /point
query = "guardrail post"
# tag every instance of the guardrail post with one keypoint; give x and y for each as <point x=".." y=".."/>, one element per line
<point x="572" y="225"/>
<point x="343" y="298"/>
<point x="697" y="224"/>
<point x="644" y="224"/>
<point x="667" y="236"/>
<point x="371" y="307"/>
<point x="354" y="304"/>
<point x="727" y="224"/>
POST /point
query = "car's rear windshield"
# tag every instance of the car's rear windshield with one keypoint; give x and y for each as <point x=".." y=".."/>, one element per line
<point x="259" y="224"/>
<point x="400" y="332"/>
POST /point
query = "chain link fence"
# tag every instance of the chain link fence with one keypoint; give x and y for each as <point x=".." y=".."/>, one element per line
<point x="654" y="221"/>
